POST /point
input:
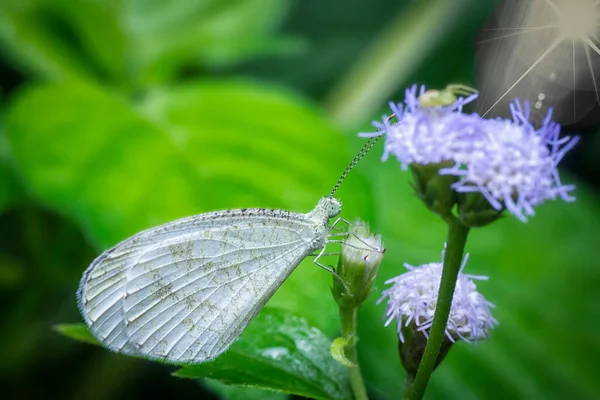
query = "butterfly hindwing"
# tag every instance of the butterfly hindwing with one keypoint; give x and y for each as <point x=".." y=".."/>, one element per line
<point x="185" y="290"/>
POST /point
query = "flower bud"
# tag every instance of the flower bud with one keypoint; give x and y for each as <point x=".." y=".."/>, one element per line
<point x="412" y="348"/>
<point x="434" y="190"/>
<point x="359" y="261"/>
<point x="475" y="211"/>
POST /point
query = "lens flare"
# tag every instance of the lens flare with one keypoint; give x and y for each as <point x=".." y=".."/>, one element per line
<point x="545" y="51"/>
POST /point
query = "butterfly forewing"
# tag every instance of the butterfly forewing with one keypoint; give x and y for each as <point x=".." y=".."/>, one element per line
<point x="185" y="290"/>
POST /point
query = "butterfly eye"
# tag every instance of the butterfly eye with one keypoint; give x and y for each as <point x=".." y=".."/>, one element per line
<point x="334" y="208"/>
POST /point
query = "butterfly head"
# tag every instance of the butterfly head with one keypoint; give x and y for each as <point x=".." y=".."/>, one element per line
<point x="331" y="206"/>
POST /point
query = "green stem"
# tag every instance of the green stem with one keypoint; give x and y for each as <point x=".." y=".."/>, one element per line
<point x="348" y="320"/>
<point x="408" y="384"/>
<point x="455" y="246"/>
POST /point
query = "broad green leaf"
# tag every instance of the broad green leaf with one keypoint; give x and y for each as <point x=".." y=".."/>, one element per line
<point x="544" y="277"/>
<point x="118" y="167"/>
<point x="282" y="352"/>
<point x="133" y="42"/>
<point x="77" y="331"/>
<point x="279" y="351"/>
<point x="242" y="393"/>
<point x="37" y="36"/>
<point x="167" y="36"/>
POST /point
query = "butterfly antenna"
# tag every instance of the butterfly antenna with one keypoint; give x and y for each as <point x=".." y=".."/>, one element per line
<point x="361" y="153"/>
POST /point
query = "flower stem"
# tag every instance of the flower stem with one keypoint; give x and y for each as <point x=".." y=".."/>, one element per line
<point x="408" y="384"/>
<point x="457" y="238"/>
<point x="348" y="320"/>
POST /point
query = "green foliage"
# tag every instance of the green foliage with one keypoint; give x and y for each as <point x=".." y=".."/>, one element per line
<point x="278" y="351"/>
<point x="135" y="42"/>
<point x="10" y="191"/>
<point x="338" y="350"/>
<point x="119" y="167"/>
<point x="78" y="332"/>
<point x="242" y="392"/>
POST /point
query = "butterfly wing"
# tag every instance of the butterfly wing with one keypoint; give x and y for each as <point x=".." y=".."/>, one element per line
<point x="184" y="291"/>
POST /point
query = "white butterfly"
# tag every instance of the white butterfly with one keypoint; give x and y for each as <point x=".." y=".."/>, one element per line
<point x="185" y="290"/>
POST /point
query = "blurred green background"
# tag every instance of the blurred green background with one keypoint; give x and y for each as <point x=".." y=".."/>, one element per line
<point x="121" y="115"/>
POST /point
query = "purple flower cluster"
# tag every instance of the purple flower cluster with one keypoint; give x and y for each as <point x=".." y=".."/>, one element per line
<point x="413" y="297"/>
<point x="509" y="161"/>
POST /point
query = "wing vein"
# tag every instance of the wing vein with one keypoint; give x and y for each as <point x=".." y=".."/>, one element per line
<point x="205" y="298"/>
<point x="186" y="284"/>
<point x="197" y="258"/>
<point x="231" y="298"/>
<point x="200" y="304"/>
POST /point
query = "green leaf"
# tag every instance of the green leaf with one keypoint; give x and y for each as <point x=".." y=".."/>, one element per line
<point x="134" y="42"/>
<point x="207" y="32"/>
<point x="242" y="393"/>
<point x="279" y="351"/>
<point x="77" y="331"/>
<point x="282" y="352"/>
<point x="338" y="350"/>
<point x="35" y="35"/>
<point x="117" y="167"/>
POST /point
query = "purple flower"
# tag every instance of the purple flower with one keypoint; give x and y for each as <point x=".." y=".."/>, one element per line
<point x="413" y="297"/>
<point x="426" y="135"/>
<point x="508" y="161"/>
<point x="515" y="165"/>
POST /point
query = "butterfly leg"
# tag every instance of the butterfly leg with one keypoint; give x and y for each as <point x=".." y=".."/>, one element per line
<point x="330" y="270"/>
<point x="347" y="224"/>
<point x="344" y="242"/>
<point x="340" y="221"/>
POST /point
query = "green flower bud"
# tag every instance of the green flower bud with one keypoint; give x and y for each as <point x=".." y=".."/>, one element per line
<point x="475" y="211"/>
<point x="359" y="261"/>
<point x="434" y="189"/>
